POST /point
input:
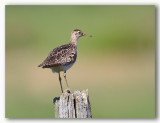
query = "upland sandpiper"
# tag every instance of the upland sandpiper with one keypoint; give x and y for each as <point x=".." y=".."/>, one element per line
<point x="62" y="58"/>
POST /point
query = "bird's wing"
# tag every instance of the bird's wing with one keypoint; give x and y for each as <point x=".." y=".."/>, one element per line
<point x="59" y="56"/>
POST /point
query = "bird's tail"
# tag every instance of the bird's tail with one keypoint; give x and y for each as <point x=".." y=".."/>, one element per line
<point x="40" y="65"/>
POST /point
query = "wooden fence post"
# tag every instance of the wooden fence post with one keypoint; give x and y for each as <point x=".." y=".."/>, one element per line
<point x="73" y="105"/>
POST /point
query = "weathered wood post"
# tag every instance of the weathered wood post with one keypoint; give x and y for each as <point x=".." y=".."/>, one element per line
<point x="72" y="105"/>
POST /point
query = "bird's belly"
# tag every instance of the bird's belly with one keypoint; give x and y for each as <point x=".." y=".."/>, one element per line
<point x="66" y="67"/>
<point x="62" y="68"/>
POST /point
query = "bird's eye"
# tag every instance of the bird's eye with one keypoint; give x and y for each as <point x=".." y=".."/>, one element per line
<point x="79" y="32"/>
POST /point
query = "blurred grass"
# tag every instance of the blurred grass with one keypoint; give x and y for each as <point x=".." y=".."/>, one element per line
<point x="117" y="64"/>
<point x="113" y="27"/>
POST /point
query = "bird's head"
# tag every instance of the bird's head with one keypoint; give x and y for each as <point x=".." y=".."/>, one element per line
<point x="78" y="33"/>
<point x="75" y="34"/>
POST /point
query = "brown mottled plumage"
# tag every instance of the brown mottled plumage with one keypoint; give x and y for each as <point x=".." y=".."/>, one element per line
<point x="60" y="56"/>
<point x="63" y="57"/>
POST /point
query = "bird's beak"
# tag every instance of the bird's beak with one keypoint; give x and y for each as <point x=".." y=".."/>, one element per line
<point x="87" y="35"/>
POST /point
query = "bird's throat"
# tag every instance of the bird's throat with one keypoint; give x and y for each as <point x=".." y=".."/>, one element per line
<point x="74" y="40"/>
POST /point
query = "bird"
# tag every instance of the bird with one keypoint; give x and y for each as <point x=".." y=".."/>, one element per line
<point x="63" y="57"/>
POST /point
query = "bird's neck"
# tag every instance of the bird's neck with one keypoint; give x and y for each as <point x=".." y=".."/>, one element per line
<point x="73" y="40"/>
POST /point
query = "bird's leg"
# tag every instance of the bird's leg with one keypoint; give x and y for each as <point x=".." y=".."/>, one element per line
<point x="60" y="82"/>
<point x="66" y="80"/>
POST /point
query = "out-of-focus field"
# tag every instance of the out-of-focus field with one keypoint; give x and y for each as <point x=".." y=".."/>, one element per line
<point x="117" y="64"/>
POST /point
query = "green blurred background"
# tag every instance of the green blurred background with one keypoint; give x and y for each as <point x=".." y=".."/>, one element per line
<point x="117" y="64"/>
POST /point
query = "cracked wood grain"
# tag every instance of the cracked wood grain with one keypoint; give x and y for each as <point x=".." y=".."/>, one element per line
<point x="73" y="105"/>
